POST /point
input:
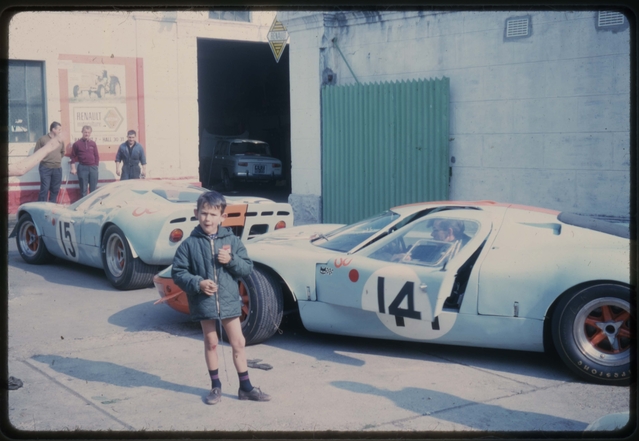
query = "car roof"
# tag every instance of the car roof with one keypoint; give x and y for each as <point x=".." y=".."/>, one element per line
<point x="477" y="204"/>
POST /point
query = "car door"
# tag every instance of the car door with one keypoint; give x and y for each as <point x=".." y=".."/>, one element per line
<point x="74" y="235"/>
<point x="407" y="275"/>
<point x="60" y="232"/>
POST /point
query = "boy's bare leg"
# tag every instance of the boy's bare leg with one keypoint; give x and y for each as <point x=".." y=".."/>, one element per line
<point x="210" y="343"/>
<point x="233" y="329"/>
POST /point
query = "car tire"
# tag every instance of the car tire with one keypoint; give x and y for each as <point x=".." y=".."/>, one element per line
<point x="30" y="246"/>
<point x="592" y="333"/>
<point x="227" y="182"/>
<point x="123" y="270"/>
<point x="262" y="305"/>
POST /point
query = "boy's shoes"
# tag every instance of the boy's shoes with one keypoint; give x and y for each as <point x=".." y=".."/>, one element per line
<point x="254" y="395"/>
<point x="214" y="396"/>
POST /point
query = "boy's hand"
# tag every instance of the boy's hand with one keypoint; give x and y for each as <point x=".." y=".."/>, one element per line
<point x="224" y="255"/>
<point x="208" y="287"/>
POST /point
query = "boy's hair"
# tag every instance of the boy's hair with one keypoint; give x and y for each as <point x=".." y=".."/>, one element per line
<point x="212" y="199"/>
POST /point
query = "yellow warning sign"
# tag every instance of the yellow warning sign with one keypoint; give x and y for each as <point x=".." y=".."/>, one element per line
<point x="277" y="38"/>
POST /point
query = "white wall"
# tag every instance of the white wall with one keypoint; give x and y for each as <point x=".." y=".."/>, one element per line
<point x="542" y="120"/>
<point x="167" y="44"/>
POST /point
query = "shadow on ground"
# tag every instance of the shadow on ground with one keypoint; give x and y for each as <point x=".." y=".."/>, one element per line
<point x="111" y="373"/>
<point x="446" y="407"/>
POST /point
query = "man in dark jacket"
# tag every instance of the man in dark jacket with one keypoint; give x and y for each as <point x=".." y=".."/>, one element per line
<point x="131" y="154"/>
<point x="85" y="153"/>
<point x="208" y="266"/>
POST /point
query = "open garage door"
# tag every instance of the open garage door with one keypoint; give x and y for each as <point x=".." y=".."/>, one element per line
<point x="244" y="93"/>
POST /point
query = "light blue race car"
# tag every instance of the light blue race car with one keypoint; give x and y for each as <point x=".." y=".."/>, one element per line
<point x="132" y="228"/>
<point x="463" y="273"/>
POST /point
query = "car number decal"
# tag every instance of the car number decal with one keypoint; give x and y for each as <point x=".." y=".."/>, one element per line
<point x="393" y="293"/>
<point x="65" y="234"/>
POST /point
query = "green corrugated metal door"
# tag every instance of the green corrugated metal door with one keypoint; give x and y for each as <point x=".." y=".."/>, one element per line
<point x="383" y="145"/>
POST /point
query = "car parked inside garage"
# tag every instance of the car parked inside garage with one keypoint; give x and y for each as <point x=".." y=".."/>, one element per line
<point x="240" y="159"/>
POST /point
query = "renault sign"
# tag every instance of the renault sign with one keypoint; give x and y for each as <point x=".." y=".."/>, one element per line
<point x="277" y="38"/>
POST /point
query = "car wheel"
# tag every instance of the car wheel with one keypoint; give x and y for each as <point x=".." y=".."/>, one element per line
<point x="591" y="330"/>
<point x="30" y="245"/>
<point x="262" y="306"/>
<point x="122" y="269"/>
<point x="227" y="182"/>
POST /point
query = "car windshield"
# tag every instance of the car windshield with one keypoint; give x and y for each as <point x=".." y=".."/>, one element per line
<point x="430" y="241"/>
<point x="250" y="148"/>
<point x="348" y="237"/>
<point x="181" y="194"/>
<point x="89" y="200"/>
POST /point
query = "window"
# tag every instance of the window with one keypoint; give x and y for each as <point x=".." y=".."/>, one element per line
<point x="428" y="242"/>
<point x="348" y="237"/>
<point x="230" y="15"/>
<point x="26" y="101"/>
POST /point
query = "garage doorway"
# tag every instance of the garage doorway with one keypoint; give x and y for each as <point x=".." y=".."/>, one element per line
<point x="244" y="92"/>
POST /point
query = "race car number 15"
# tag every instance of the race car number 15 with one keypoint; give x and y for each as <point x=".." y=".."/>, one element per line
<point x="66" y="239"/>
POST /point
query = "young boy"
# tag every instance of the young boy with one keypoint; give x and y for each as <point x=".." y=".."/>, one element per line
<point x="207" y="266"/>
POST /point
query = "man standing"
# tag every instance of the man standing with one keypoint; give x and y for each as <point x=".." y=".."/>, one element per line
<point x="85" y="153"/>
<point x="131" y="153"/>
<point x="51" y="166"/>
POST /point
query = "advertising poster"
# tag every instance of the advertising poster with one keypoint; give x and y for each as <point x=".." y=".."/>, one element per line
<point x="98" y="98"/>
<point x="105" y="93"/>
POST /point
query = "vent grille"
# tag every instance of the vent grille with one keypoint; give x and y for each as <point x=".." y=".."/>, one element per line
<point x="517" y="27"/>
<point x="608" y="18"/>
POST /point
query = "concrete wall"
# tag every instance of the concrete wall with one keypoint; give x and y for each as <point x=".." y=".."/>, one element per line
<point x="164" y="43"/>
<point x="542" y="120"/>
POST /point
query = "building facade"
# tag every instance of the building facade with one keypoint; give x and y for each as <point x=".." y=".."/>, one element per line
<point x="539" y="100"/>
<point x="114" y="71"/>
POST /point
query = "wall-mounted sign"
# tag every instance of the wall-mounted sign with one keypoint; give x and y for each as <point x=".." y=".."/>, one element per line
<point x="277" y="38"/>
<point x="106" y="93"/>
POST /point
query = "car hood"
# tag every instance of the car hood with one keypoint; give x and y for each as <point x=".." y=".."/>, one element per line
<point x="295" y="234"/>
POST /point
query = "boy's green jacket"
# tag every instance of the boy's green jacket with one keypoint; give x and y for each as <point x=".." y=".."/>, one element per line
<point x="194" y="261"/>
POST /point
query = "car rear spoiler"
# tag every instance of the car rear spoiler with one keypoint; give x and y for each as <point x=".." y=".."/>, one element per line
<point x="579" y="220"/>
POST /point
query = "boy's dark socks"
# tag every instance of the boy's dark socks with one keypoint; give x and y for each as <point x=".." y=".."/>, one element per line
<point x="245" y="382"/>
<point x="215" y="378"/>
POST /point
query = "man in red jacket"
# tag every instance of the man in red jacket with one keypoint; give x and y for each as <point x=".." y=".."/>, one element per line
<point x="85" y="153"/>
